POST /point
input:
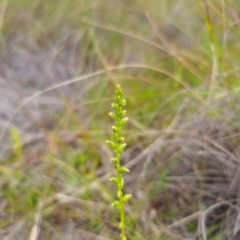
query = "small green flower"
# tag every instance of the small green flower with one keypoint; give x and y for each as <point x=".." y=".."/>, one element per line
<point x="118" y="146"/>
<point x="123" y="170"/>
<point x="113" y="179"/>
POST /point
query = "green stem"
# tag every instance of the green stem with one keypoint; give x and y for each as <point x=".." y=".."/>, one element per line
<point x="122" y="221"/>
<point x="120" y="200"/>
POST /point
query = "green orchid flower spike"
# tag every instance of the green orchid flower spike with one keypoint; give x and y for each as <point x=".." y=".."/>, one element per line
<point x="118" y="146"/>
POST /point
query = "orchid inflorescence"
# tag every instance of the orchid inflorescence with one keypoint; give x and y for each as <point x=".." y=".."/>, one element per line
<point x="118" y="147"/>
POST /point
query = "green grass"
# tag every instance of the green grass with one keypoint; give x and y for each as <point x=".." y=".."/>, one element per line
<point x="178" y="66"/>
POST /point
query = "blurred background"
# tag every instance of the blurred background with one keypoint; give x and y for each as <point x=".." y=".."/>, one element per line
<point x="178" y="65"/>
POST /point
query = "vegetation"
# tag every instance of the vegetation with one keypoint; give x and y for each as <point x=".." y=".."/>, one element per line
<point x="178" y="65"/>
<point x="118" y="146"/>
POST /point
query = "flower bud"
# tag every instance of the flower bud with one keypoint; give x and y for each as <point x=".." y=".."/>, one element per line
<point x="123" y="112"/>
<point x="122" y="183"/>
<point x="113" y="179"/>
<point x="113" y="115"/>
<point x="114" y="159"/>
<point x="123" y="170"/>
<point x="120" y="225"/>
<point x="116" y="204"/>
<point x="121" y="147"/>
<point x="111" y="144"/>
<point x="126" y="198"/>
<point x="114" y="128"/>
<point x="119" y="193"/>
<point x="123" y="121"/>
<point x="120" y="139"/>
